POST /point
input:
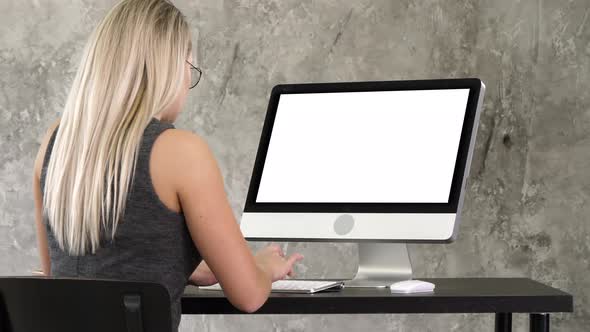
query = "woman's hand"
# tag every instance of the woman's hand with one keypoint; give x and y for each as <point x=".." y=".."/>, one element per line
<point x="203" y="276"/>
<point x="38" y="272"/>
<point x="272" y="260"/>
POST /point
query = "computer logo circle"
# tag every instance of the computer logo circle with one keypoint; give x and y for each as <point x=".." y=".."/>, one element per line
<point x="343" y="224"/>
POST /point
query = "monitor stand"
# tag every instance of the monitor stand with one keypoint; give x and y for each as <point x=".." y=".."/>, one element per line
<point x="381" y="264"/>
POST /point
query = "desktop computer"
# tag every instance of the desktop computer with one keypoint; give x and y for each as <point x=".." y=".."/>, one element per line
<point x="380" y="164"/>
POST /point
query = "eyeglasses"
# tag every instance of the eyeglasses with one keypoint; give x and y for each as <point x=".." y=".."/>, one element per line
<point x="195" y="75"/>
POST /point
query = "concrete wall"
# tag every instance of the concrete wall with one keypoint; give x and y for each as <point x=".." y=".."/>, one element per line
<point x="526" y="210"/>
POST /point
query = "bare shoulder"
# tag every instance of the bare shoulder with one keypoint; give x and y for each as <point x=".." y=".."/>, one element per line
<point x="184" y="157"/>
<point x="43" y="147"/>
<point x="183" y="144"/>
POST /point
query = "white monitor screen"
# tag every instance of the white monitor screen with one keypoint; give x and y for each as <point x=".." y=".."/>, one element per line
<point x="364" y="147"/>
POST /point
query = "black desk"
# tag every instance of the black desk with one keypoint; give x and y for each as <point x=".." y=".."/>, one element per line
<point x="502" y="296"/>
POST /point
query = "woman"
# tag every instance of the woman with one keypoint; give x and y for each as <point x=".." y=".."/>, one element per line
<point x="120" y="193"/>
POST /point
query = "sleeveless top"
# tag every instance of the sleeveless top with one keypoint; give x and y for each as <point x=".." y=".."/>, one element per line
<point x="151" y="243"/>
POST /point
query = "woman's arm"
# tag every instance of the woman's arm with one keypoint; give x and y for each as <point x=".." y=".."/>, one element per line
<point x="203" y="276"/>
<point x="210" y="220"/>
<point x="213" y="227"/>
<point x="41" y="232"/>
<point x="38" y="197"/>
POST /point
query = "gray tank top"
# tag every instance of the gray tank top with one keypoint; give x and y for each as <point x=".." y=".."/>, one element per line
<point x="152" y="242"/>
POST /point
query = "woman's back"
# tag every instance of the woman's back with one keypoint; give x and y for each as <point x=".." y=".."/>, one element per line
<point x="151" y="242"/>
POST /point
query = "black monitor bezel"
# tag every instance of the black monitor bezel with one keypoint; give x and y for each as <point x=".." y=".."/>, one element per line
<point x="474" y="86"/>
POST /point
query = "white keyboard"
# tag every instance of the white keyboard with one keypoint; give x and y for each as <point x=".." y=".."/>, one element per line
<point x="293" y="286"/>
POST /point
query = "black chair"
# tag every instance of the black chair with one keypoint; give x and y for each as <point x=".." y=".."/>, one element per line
<point x="30" y="304"/>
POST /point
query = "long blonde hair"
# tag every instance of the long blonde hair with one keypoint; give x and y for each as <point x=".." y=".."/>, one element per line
<point x="132" y="68"/>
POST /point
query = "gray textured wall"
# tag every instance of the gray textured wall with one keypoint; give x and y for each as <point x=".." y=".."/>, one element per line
<point x="526" y="211"/>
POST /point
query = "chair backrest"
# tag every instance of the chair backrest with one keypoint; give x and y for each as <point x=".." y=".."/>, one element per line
<point x="30" y="304"/>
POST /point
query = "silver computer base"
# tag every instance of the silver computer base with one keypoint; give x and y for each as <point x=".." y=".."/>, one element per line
<point x="381" y="264"/>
